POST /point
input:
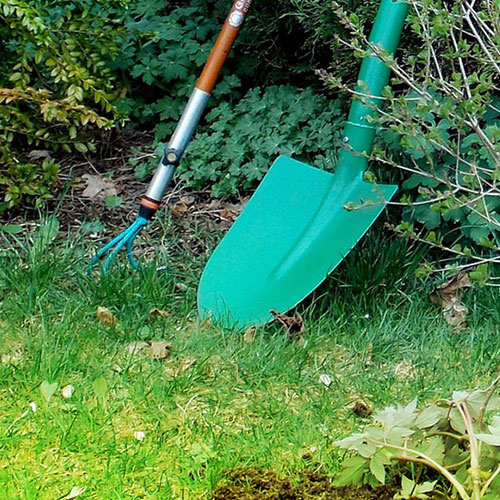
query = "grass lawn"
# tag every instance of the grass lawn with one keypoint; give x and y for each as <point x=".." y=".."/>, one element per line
<point x="217" y="402"/>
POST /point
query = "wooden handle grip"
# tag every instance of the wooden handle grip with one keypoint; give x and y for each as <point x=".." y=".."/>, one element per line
<point x="223" y="45"/>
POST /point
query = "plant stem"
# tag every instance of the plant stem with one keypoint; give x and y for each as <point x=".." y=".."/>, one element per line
<point x="490" y="480"/>
<point x="490" y="391"/>
<point x="475" y="451"/>
<point x="429" y="462"/>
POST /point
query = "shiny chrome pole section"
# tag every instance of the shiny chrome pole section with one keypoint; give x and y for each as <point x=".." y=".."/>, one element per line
<point x="177" y="145"/>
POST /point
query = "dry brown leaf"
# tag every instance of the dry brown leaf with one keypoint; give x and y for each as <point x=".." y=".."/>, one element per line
<point x="176" y="370"/>
<point x="404" y="370"/>
<point x="369" y="354"/>
<point x="455" y="314"/>
<point x="14" y="355"/>
<point x="361" y="408"/>
<point x="105" y="316"/>
<point x="136" y="347"/>
<point x="187" y="364"/>
<point x="187" y="200"/>
<point x="180" y="287"/>
<point x="308" y="453"/>
<point x="326" y="380"/>
<point x="159" y="312"/>
<point x="182" y="206"/>
<point x="206" y="324"/>
<point x="447" y="296"/>
<point x="160" y="350"/>
<point x="249" y="336"/>
<point x="98" y="186"/>
<point x="293" y="325"/>
<point x="450" y="290"/>
<point x="39" y="154"/>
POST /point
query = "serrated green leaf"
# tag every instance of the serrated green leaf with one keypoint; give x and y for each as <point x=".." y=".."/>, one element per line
<point x="456" y="421"/>
<point x="352" y="472"/>
<point x="113" y="201"/>
<point x="400" y="416"/>
<point x="92" y="227"/>
<point x="377" y="467"/>
<point x="491" y="439"/>
<point x="407" y="488"/>
<point x="430" y="416"/>
<point x="433" y="448"/>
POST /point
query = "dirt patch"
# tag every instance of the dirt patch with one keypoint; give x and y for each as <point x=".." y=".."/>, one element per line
<point x="259" y="484"/>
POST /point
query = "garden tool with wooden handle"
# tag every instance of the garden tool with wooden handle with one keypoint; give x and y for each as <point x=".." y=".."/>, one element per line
<point x="180" y="139"/>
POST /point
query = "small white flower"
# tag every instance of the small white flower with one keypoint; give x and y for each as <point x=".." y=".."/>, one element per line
<point x="366" y="316"/>
<point x="326" y="380"/>
<point x="33" y="406"/>
<point x="67" y="391"/>
<point x="139" y="435"/>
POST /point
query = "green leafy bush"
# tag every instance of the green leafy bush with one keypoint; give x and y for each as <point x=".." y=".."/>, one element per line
<point x="240" y="142"/>
<point x="448" y="447"/>
<point x="442" y="128"/>
<point x="55" y="84"/>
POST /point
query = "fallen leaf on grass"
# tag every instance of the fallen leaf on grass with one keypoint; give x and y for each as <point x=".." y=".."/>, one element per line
<point x="447" y="296"/>
<point x="75" y="492"/>
<point x="187" y="364"/>
<point x="98" y="186"/>
<point x="455" y="314"/>
<point x="293" y="325"/>
<point x="159" y="312"/>
<point x="67" y="391"/>
<point x="136" y="347"/>
<point x="14" y="356"/>
<point x="450" y="290"/>
<point x="361" y="408"/>
<point x="404" y="370"/>
<point x="105" y="316"/>
<point x="308" y="454"/>
<point x="326" y="380"/>
<point x="182" y="206"/>
<point x="39" y="154"/>
<point x="100" y="387"/>
<point x="249" y="336"/>
<point x="160" y="349"/>
<point x="175" y="371"/>
<point x="180" y="287"/>
<point x="139" y="435"/>
<point x="47" y="389"/>
<point x="368" y="355"/>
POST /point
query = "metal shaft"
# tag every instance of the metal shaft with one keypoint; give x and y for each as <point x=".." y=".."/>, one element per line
<point x="178" y="143"/>
<point x="195" y="108"/>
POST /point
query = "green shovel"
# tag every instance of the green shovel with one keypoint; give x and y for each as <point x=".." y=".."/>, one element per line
<point x="301" y="222"/>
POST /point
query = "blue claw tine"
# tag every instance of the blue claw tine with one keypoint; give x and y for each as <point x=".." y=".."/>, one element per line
<point x="130" y="243"/>
<point x="126" y="238"/>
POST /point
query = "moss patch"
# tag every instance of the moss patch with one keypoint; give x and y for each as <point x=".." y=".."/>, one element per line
<point x="259" y="484"/>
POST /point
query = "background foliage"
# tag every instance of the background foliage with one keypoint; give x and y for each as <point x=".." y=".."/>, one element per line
<point x="71" y="67"/>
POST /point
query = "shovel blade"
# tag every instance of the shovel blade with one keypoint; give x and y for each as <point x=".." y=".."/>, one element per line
<point x="295" y="230"/>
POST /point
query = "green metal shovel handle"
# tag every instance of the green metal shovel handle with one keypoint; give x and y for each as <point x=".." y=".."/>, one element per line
<point x="374" y="74"/>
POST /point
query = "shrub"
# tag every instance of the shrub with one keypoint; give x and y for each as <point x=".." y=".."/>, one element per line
<point x="442" y="129"/>
<point x="449" y="442"/>
<point x="55" y="84"/>
<point x="240" y="142"/>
